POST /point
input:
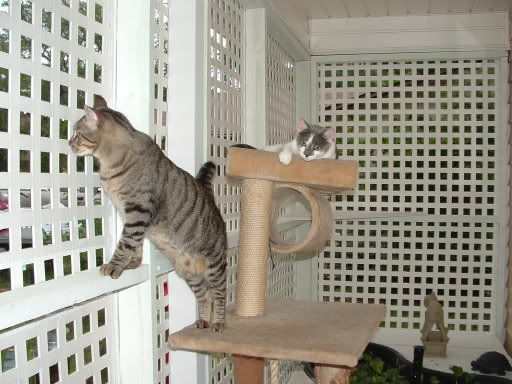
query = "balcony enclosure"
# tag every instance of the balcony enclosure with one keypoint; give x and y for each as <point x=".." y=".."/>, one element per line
<point x="418" y="92"/>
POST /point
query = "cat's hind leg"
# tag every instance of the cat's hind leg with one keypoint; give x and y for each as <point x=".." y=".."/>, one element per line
<point x="216" y="275"/>
<point x="199" y="286"/>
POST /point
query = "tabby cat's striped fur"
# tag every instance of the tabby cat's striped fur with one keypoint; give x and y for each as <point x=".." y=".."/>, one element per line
<point x="160" y="201"/>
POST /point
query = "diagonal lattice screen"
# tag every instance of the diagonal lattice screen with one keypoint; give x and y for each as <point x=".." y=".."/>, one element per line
<point x="426" y="215"/>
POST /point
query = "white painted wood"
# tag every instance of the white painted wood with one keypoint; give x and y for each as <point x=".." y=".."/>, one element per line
<point x="187" y="81"/>
<point x="32" y="302"/>
<point x="410" y="34"/>
<point x="255" y="111"/>
<point x="297" y="19"/>
<point x="356" y="8"/>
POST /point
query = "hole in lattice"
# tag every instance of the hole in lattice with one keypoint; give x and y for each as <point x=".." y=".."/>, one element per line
<point x="63" y="163"/>
<point x="52" y="339"/>
<point x="4" y="240"/>
<point x="26" y="11"/>
<point x="82" y="36"/>
<point x="65" y="231"/>
<point x="70" y="331"/>
<point x="4" y="80"/>
<point x="82" y="229"/>
<point x="84" y="261"/>
<point x="4" y="120"/>
<point x="46" y="55"/>
<point x="64" y="28"/>
<point x="25" y="123"/>
<point x="99" y="257"/>
<point x="98" y="71"/>
<point x="34" y="379"/>
<point x="46" y="92"/>
<point x="46" y="20"/>
<point x="28" y="275"/>
<point x="4" y="200"/>
<point x="64" y="62"/>
<point x="45" y="125"/>
<point x="26" y="47"/>
<point x="87" y="355"/>
<point x="46" y="198"/>
<point x="80" y="196"/>
<point x="67" y="265"/>
<point x="8" y="358"/>
<point x="47" y="234"/>
<point x="97" y="196"/>
<point x="45" y="162"/>
<point x="103" y="347"/>
<point x="71" y="362"/>
<point x="101" y="318"/>
<point x="64" y="199"/>
<point x="63" y="129"/>
<point x="90" y="380"/>
<point x="86" y="324"/>
<point x="25" y="85"/>
<point x="54" y="373"/>
<point x="32" y="348"/>
<point x="5" y="279"/>
<point x="98" y="226"/>
<point x="82" y="7"/>
<point x="4" y="40"/>
<point x="98" y="43"/>
<point x="26" y="237"/>
<point x="24" y="161"/>
<point x="49" y="270"/>
<point x="80" y="99"/>
<point x="64" y="95"/>
<point x="81" y="65"/>
<point x="4" y="160"/>
<point x="98" y="13"/>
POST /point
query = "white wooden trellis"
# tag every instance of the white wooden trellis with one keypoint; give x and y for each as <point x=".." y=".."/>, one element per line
<point x="55" y="220"/>
<point x="429" y="212"/>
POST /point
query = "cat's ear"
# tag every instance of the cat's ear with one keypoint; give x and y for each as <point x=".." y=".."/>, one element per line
<point x="302" y="125"/>
<point x="330" y="134"/>
<point x="99" y="102"/>
<point x="91" y="117"/>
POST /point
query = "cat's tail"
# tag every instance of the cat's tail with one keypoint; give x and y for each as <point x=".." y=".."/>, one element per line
<point x="206" y="174"/>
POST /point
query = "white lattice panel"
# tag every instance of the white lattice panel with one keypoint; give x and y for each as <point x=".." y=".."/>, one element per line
<point x="160" y="70"/>
<point x="54" y="220"/>
<point x="225" y="100"/>
<point x="162" y="328"/>
<point x="77" y="345"/>
<point x="280" y="79"/>
<point x="428" y="138"/>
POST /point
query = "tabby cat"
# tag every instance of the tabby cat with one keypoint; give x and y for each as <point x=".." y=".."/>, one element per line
<point x="160" y="201"/>
<point x="311" y="143"/>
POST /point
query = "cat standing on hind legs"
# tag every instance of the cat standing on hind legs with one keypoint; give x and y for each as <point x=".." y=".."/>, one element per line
<point x="159" y="201"/>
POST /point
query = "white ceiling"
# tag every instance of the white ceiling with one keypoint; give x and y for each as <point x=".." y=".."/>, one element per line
<point x="324" y="9"/>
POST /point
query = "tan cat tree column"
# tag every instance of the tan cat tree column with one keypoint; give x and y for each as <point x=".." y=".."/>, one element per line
<point x="332" y="335"/>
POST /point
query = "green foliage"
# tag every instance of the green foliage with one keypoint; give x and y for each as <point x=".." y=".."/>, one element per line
<point x="461" y="376"/>
<point x="373" y="371"/>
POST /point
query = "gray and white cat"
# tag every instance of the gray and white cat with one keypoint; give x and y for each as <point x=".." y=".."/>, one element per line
<point x="311" y="143"/>
<point x="159" y="201"/>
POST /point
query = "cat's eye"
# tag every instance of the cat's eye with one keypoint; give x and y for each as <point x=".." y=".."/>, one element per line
<point x="316" y="148"/>
<point x="303" y="143"/>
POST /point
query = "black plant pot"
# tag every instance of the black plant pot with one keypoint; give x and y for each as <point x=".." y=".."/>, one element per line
<point x="394" y="359"/>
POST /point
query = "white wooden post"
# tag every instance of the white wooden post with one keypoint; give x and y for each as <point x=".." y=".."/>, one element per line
<point x="133" y="95"/>
<point x="187" y="135"/>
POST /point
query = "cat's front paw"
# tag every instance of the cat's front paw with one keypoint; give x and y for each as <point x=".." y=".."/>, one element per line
<point x="114" y="271"/>
<point x="201" y="324"/>
<point x="285" y="157"/>
<point x="218" y="327"/>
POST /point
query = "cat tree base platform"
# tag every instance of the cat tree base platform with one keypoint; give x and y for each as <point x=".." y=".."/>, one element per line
<point x="332" y="335"/>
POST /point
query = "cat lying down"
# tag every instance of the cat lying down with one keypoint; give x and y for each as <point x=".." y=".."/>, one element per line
<point x="311" y="143"/>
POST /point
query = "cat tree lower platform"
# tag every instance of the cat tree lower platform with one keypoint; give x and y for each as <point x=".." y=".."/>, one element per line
<point x="333" y="335"/>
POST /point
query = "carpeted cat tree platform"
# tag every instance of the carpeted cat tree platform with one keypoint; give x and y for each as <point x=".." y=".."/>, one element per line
<point x="332" y="335"/>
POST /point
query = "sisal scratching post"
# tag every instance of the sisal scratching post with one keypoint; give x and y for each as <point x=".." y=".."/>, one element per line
<point x="325" y="374"/>
<point x="254" y="247"/>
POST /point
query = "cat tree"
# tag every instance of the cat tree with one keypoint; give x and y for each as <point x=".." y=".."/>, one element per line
<point x="331" y="335"/>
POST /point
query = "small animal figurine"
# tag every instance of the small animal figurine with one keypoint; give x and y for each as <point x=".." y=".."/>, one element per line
<point x="491" y="362"/>
<point x="434" y="315"/>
